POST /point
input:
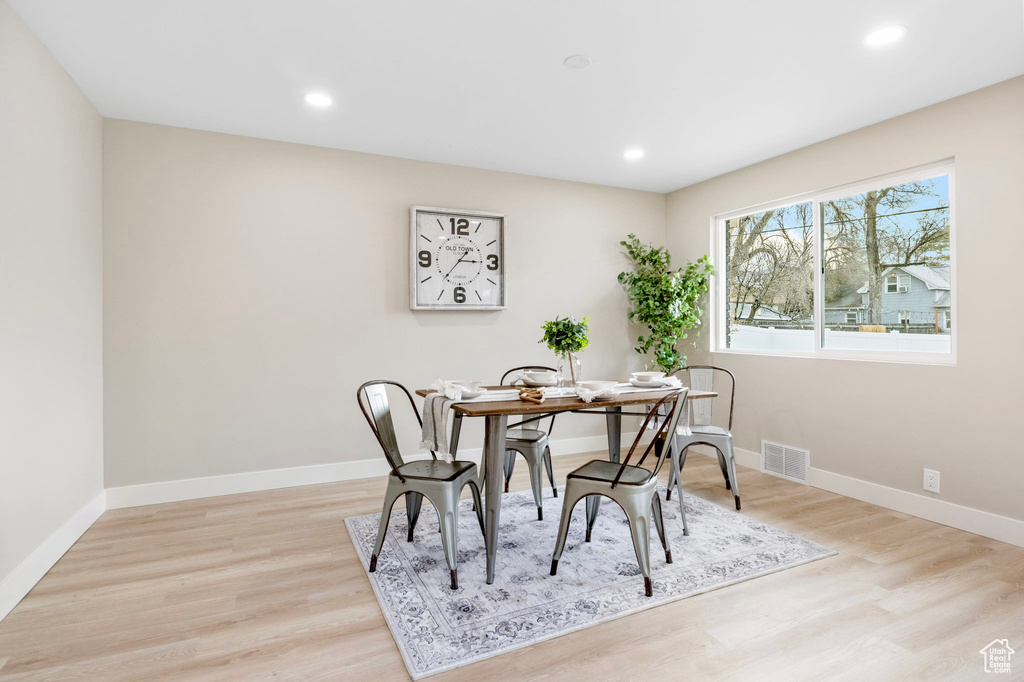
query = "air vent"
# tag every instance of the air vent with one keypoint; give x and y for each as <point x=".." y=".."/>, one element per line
<point x="785" y="461"/>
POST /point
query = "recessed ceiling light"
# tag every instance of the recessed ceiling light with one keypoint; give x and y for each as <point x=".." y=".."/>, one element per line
<point x="885" y="36"/>
<point x="577" y="61"/>
<point x="319" y="100"/>
<point x="633" y="154"/>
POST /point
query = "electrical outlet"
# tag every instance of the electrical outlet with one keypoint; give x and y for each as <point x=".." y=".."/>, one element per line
<point x="931" y="480"/>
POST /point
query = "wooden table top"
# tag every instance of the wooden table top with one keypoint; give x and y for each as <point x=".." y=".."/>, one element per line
<point x="567" y="404"/>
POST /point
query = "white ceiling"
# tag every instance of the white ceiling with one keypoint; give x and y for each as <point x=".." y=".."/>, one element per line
<point x="704" y="86"/>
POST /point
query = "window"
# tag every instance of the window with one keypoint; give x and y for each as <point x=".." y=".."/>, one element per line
<point x="793" y="276"/>
<point x="770" y="271"/>
<point x="897" y="284"/>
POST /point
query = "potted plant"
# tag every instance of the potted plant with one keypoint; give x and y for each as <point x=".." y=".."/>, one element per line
<point x="566" y="336"/>
<point x="666" y="301"/>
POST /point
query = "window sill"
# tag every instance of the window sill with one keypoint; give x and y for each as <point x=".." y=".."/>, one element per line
<point x="936" y="359"/>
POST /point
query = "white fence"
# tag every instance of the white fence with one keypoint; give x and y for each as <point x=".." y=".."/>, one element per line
<point x="743" y="337"/>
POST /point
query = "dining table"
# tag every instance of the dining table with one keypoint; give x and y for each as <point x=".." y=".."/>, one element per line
<point x="496" y="414"/>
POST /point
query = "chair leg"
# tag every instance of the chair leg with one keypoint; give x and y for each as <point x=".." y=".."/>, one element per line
<point x="447" y="512"/>
<point x="674" y="474"/>
<point x="412" y="511"/>
<point x="478" y="505"/>
<point x="591" y="516"/>
<point x="724" y="467"/>
<point x="385" y="516"/>
<point x="659" y="523"/>
<point x="639" y="528"/>
<point x="672" y="478"/>
<point x="677" y="477"/>
<point x="551" y="470"/>
<point x="569" y="501"/>
<point x="537" y="481"/>
<point x="510" y="464"/>
<point x="730" y="458"/>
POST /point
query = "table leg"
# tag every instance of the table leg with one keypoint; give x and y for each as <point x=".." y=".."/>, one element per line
<point x="453" y="442"/>
<point x="494" y="454"/>
<point x="613" y="418"/>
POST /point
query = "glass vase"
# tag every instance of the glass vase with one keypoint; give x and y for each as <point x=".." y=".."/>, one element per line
<point x="570" y="374"/>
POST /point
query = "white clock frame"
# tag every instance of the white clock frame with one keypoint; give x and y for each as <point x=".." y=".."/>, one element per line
<point x="458" y="213"/>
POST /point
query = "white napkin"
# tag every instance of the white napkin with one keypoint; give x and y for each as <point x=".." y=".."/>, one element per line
<point x="588" y="396"/>
<point x="435" y="417"/>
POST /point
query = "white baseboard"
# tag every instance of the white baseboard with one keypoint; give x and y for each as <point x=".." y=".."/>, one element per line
<point x="972" y="520"/>
<point x="230" y="484"/>
<point x="21" y="581"/>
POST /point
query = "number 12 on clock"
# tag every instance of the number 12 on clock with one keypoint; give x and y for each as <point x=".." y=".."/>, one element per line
<point x="457" y="259"/>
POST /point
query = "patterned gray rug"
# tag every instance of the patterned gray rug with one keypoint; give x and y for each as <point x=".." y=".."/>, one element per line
<point x="438" y="629"/>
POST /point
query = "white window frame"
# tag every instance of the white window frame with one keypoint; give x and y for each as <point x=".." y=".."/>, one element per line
<point x="720" y="320"/>
<point x="901" y="284"/>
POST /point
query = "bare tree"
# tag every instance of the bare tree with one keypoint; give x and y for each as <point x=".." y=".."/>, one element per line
<point x="859" y="216"/>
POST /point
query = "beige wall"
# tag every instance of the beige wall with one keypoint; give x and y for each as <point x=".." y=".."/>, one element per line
<point x="880" y="422"/>
<point x="251" y="286"/>
<point x="51" y="390"/>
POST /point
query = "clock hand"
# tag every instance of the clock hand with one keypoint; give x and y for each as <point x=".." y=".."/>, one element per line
<point x="456" y="263"/>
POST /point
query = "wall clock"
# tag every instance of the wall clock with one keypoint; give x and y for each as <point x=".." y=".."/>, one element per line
<point x="457" y="259"/>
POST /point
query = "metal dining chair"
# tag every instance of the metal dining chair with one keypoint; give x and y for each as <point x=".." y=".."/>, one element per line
<point x="528" y="439"/>
<point x="632" y="487"/>
<point x="439" y="481"/>
<point x="700" y="431"/>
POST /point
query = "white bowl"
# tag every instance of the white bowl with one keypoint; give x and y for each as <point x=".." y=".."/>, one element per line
<point x="540" y="376"/>
<point x="597" y="386"/>
<point x="471" y="385"/>
<point x="648" y="377"/>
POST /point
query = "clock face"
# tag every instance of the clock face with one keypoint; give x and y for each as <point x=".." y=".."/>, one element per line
<point x="457" y="260"/>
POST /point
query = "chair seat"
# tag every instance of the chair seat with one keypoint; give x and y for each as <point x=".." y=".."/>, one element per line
<point x="708" y="430"/>
<point x="527" y="435"/>
<point x="605" y="471"/>
<point x="435" y="469"/>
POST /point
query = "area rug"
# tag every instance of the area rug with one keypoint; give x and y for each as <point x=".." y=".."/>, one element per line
<point x="438" y="629"/>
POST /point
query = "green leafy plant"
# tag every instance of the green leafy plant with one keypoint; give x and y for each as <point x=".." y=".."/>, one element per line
<point x="566" y="336"/>
<point x="666" y="300"/>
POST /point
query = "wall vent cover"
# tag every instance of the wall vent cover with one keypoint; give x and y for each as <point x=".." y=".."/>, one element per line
<point x="785" y="461"/>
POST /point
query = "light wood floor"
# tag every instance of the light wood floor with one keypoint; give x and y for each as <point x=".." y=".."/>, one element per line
<point x="267" y="586"/>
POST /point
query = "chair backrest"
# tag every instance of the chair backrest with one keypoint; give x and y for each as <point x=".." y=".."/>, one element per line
<point x="526" y="368"/>
<point x="703" y="378"/>
<point x="535" y="424"/>
<point x="674" y="402"/>
<point x="373" y="401"/>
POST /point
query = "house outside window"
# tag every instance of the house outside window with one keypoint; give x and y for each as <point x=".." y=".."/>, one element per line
<point x="793" y="276"/>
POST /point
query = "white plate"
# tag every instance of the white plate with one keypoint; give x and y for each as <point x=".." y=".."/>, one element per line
<point x="538" y="384"/>
<point x="469" y="395"/>
<point x="648" y="384"/>
<point x="606" y="396"/>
